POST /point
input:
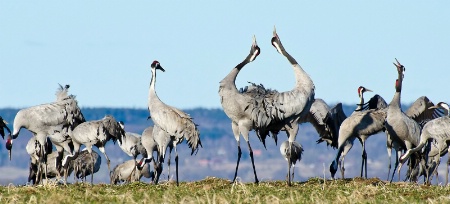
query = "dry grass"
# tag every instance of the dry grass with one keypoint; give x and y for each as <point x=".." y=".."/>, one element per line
<point x="214" y="190"/>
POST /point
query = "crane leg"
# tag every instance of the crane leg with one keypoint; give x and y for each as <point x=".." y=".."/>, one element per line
<point x="159" y="169"/>
<point x="168" y="163"/>
<point x="289" y="172"/>
<point x="92" y="170"/>
<point x="446" y="168"/>
<point x="237" y="164"/>
<point x="102" y="149"/>
<point x="253" y="161"/>
<point x="235" y="128"/>
<point x="364" y="160"/>
<point x="176" y="163"/>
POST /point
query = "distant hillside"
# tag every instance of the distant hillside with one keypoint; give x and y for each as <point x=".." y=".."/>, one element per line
<point x="219" y="153"/>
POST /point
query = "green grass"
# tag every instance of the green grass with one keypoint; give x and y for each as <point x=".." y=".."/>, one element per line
<point x="214" y="190"/>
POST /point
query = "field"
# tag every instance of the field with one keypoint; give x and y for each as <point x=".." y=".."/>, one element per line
<point x="215" y="190"/>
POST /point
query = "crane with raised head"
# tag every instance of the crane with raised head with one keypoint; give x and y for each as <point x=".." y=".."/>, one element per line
<point x="174" y="124"/>
<point x="263" y="110"/>
<point x="405" y="128"/>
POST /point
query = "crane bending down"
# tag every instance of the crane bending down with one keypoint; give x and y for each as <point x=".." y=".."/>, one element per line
<point x="131" y="144"/>
<point x="405" y="128"/>
<point x="437" y="130"/>
<point x="367" y="119"/>
<point x="292" y="155"/>
<point x="128" y="169"/>
<point x="42" y="120"/>
<point x="150" y="146"/>
<point x="95" y="133"/>
<point x="174" y="124"/>
<point x="265" y="111"/>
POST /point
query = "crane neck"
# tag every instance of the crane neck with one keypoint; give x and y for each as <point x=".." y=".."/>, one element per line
<point x="230" y="79"/>
<point x="152" y="92"/>
<point x="302" y="78"/>
<point x="396" y="102"/>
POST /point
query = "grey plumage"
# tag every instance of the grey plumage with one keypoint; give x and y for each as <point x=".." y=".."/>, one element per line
<point x="292" y="155"/>
<point x="435" y="132"/>
<point x="264" y="110"/>
<point x="86" y="164"/>
<point x="52" y="170"/>
<point x="150" y="146"/>
<point x="403" y="128"/>
<point x="39" y="170"/>
<point x="131" y="144"/>
<point x="173" y="122"/>
<point x="42" y="120"/>
<point x="95" y="133"/>
<point x="367" y="119"/>
<point x="128" y="169"/>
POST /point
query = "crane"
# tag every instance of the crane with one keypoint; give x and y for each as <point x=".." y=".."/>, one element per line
<point x="405" y="128"/>
<point x="95" y="133"/>
<point x="128" y="169"/>
<point x="87" y="163"/>
<point x="175" y="124"/>
<point x="438" y="130"/>
<point x="367" y="119"/>
<point x="292" y="155"/>
<point x="263" y="110"/>
<point x="42" y="120"/>
<point x="3" y="125"/>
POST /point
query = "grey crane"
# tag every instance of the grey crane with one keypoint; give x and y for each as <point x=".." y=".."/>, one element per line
<point x="95" y="133"/>
<point x="173" y="123"/>
<point x="128" y="169"/>
<point x="87" y="163"/>
<point x="438" y="130"/>
<point x="42" y="120"/>
<point x="150" y="146"/>
<point x="367" y="119"/>
<point x="292" y="155"/>
<point x="263" y="110"/>
<point x="36" y="168"/>
<point x="405" y="128"/>
<point x="131" y="144"/>
<point x="52" y="170"/>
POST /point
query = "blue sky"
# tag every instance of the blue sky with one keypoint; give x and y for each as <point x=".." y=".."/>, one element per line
<point x="104" y="49"/>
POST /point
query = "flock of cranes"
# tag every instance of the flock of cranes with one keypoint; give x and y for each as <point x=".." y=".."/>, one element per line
<point x="420" y="135"/>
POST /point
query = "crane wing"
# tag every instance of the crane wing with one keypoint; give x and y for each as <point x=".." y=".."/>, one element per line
<point x="334" y="122"/>
<point x="178" y="123"/>
<point x="376" y="102"/>
<point x="419" y="111"/>
<point x="320" y="117"/>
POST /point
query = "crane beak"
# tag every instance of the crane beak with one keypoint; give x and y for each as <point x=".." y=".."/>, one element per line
<point x="433" y="107"/>
<point x="368" y="90"/>
<point x="160" y="68"/>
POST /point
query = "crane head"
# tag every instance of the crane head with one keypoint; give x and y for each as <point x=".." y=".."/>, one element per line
<point x="276" y="41"/>
<point x="400" y="68"/>
<point x="442" y="105"/>
<point x="156" y="65"/>
<point x="9" y="143"/>
<point x="254" y="51"/>
<point x="362" y="89"/>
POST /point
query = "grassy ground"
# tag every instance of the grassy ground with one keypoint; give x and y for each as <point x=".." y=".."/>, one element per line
<point x="214" y="190"/>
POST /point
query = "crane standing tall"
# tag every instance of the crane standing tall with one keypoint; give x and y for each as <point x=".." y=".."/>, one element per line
<point x="367" y="119"/>
<point x="173" y="123"/>
<point x="405" y="128"/>
<point x="264" y="110"/>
